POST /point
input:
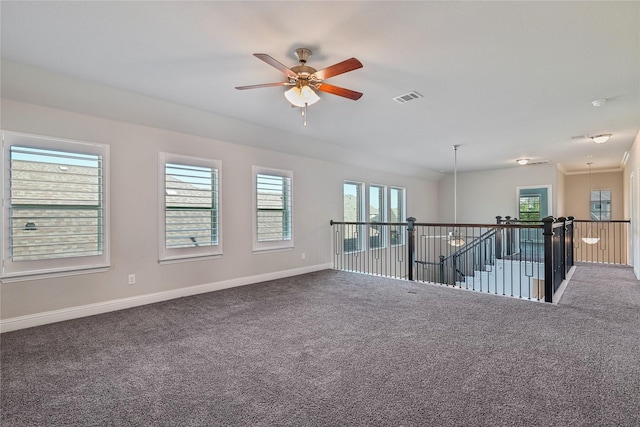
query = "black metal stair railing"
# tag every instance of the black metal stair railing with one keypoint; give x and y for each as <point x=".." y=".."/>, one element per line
<point x="511" y="258"/>
<point x="604" y="242"/>
<point x="378" y="248"/>
<point x="471" y="257"/>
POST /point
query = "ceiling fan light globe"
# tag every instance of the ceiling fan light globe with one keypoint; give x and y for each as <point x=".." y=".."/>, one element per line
<point x="309" y="96"/>
<point x="300" y="96"/>
<point x="293" y="96"/>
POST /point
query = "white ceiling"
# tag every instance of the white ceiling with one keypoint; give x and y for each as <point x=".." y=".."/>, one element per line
<point x="505" y="80"/>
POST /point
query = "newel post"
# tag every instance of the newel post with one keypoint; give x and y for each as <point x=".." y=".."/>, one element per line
<point x="509" y="233"/>
<point x="562" y="252"/>
<point x="569" y="248"/>
<point x="498" y="248"/>
<point x="548" y="258"/>
<point x="411" y="256"/>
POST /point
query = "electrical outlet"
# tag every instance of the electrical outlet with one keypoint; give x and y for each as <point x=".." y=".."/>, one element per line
<point x="303" y="255"/>
<point x="132" y="279"/>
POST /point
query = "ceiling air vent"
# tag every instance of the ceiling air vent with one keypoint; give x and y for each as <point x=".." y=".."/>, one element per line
<point x="407" y="97"/>
<point x="538" y="162"/>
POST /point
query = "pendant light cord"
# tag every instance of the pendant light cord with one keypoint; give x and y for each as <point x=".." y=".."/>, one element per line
<point x="590" y="189"/>
<point x="455" y="184"/>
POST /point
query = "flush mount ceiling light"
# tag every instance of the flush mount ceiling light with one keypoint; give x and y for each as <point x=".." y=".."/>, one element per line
<point x="602" y="138"/>
<point x="522" y="162"/>
<point x="598" y="102"/>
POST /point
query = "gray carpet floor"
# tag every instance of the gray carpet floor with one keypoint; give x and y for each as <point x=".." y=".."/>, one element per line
<point x="338" y="349"/>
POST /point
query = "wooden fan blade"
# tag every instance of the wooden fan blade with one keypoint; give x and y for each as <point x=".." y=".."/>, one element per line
<point x="263" y="85"/>
<point x="339" y="68"/>
<point x="340" y="91"/>
<point x="269" y="60"/>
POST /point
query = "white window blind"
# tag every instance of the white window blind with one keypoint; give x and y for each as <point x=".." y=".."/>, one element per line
<point x="55" y="206"/>
<point x="377" y="213"/>
<point x="274" y="207"/>
<point x="397" y="214"/>
<point x="191" y="206"/>
<point x="353" y="202"/>
<point x="273" y="221"/>
<point x="190" y="212"/>
<point x="353" y="211"/>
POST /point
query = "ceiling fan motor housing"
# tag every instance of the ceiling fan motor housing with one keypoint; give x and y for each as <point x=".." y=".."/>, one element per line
<point x="305" y="73"/>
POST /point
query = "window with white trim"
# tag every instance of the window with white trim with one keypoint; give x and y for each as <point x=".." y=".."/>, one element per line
<point x="55" y="215"/>
<point x="273" y="217"/>
<point x="189" y="207"/>
<point x="377" y="213"/>
<point x="397" y="214"/>
<point x="600" y="206"/>
<point x="353" y="211"/>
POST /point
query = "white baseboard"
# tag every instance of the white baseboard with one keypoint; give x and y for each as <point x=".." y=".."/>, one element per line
<point x="558" y="294"/>
<point x="44" y="318"/>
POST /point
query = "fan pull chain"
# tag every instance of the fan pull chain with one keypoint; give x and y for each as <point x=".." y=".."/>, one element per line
<point x="304" y="115"/>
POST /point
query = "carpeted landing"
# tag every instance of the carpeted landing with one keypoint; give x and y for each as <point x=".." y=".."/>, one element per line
<point x="338" y="349"/>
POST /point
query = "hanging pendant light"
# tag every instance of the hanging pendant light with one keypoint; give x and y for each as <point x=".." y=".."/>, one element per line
<point x="454" y="238"/>
<point x="588" y="239"/>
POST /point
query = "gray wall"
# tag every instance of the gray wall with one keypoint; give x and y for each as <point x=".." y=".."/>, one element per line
<point x="483" y="195"/>
<point x="134" y="212"/>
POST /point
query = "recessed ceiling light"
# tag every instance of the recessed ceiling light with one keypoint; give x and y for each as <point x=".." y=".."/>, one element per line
<point x="598" y="102"/>
<point x="522" y="162"/>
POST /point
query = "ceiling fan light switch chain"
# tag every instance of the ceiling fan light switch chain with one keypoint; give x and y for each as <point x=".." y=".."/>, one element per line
<point x="304" y="115"/>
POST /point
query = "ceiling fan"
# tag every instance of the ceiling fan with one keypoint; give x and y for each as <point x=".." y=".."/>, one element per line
<point x="305" y="79"/>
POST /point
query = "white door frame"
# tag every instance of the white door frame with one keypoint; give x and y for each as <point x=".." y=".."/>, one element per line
<point x="634" y="214"/>
<point x="533" y="187"/>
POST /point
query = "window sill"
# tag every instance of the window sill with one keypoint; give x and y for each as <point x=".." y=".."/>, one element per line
<point x="176" y="260"/>
<point x="24" y="277"/>
<point x="269" y="250"/>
